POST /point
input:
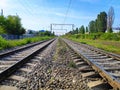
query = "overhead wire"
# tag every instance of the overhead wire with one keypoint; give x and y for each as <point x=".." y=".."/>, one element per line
<point x="66" y="14"/>
<point x="29" y="6"/>
<point x="25" y="6"/>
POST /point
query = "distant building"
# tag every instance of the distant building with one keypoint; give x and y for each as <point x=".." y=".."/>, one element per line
<point x="42" y="31"/>
<point x="29" y="31"/>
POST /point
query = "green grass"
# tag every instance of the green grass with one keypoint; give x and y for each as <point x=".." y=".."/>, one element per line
<point x="72" y="64"/>
<point x="4" y="44"/>
<point x="107" y="45"/>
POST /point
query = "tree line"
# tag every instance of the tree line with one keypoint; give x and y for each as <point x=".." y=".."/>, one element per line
<point x="42" y="33"/>
<point x="102" y="24"/>
<point x="11" y="25"/>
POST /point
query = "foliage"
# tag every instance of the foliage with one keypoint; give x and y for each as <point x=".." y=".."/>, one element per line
<point x="82" y="30"/>
<point x="2" y="30"/>
<point x="72" y="64"/>
<point x="11" y="25"/>
<point x="14" y="25"/>
<point x="74" y="31"/>
<point x="102" y="22"/>
<point x="92" y="27"/>
<point x="99" y="25"/>
<point x="110" y="36"/>
<point x="2" y="24"/>
<point x="94" y="36"/>
<point x="2" y="21"/>
<point x="86" y="29"/>
<point x="101" y="42"/>
<point x="3" y="43"/>
<point x="109" y="30"/>
<point x="13" y="43"/>
<point x="46" y="33"/>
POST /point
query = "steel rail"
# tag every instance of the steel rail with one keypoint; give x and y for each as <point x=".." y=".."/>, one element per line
<point x="20" y="48"/>
<point x="103" y="73"/>
<point x="7" y="72"/>
<point x="115" y="56"/>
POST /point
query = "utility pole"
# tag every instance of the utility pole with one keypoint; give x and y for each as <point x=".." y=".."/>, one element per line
<point x="1" y="12"/>
<point x="51" y="27"/>
<point x="73" y="27"/>
<point x="16" y="14"/>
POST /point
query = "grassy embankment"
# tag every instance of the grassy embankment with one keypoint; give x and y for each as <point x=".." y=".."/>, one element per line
<point x="107" y="42"/>
<point x="4" y="44"/>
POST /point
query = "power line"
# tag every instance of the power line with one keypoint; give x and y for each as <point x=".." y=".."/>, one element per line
<point x="66" y="14"/>
<point x="26" y="9"/>
<point x="29" y="6"/>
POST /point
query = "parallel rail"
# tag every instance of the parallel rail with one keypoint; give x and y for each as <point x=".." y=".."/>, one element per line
<point x="14" y="67"/>
<point x="115" y="56"/>
<point x="20" y="48"/>
<point x="101" y="61"/>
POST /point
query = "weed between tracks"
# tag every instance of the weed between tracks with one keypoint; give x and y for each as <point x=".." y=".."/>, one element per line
<point x="64" y="74"/>
<point x="62" y="52"/>
<point x="72" y="64"/>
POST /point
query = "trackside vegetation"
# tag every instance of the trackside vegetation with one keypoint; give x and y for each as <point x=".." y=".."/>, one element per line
<point x="4" y="44"/>
<point x="11" y="25"/>
<point x="107" y="41"/>
<point x="97" y="36"/>
<point x="98" y="33"/>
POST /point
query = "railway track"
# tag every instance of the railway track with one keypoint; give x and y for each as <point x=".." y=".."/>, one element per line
<point x="20" y="60"/>
<point x="102" y="69"/>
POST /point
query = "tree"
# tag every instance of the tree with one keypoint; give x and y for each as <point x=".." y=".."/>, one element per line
<point x="14" y="26"/>
<point x="22" y="31"/>
<point x="46" y="33"/>
<point x="96" y="25"/>
<point x="2" y="24"/>
<point x="76" y="31"/>
<point x="2" y="21"/>
<point x="86" y="29"/>
<point x="110" y="19"/>
<point x="92" y="27"/>
<point x="2" y="30"/>
<point x="102" y="22"/>
<point x="82" y="29"/>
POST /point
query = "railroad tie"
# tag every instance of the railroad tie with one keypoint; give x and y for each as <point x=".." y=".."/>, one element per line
<point x="18" y="78"/>
<point x="88" y="74"/>
<point x="4" y="87"/>
<point x="94" y="83"/>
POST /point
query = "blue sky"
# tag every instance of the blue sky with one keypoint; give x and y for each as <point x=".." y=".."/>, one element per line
<point x="39" y="14"/>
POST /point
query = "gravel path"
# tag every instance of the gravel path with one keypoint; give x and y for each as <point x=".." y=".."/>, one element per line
<point x="54" y="72"/>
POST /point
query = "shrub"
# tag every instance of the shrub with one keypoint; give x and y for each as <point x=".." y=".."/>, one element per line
<point x="72" y="64"/>
<point x="3" y="43"/>
<point x="13" y="43"/>
<point x="110" y="36"/>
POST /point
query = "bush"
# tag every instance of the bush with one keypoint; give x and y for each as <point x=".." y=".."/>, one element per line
<point x="3" y="43"/>
<point x="72" y="64"/>
<point x="110" y="36"/>
<point x="13" y="43"/>
<point x="94" y="36"/>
